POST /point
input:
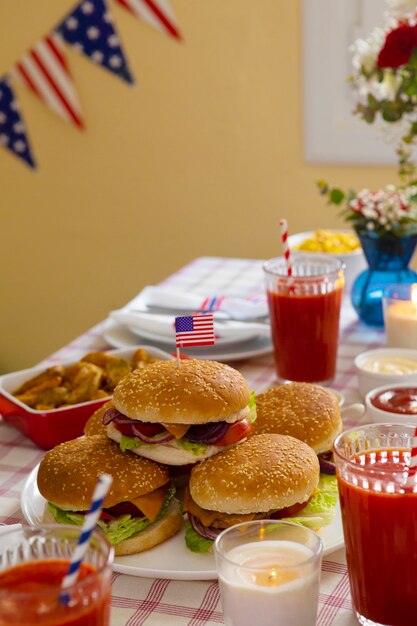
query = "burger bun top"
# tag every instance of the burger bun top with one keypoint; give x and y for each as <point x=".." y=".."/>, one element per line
<point x="69" y="472"/>
<point x="302" y="410"/>
<point x="196" y="392"/>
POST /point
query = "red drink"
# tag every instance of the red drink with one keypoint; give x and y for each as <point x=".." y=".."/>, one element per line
<point x="305" y="331"/>
<point x="379" y="515"/>
<point x="37" y="584"/>
<point x="304" y="310"/>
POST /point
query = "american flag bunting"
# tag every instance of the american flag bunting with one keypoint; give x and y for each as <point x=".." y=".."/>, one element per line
<point x="89" y="29"/>
<point x="194" y="330"/>
<point x="44" y="70"/>
<point x="157" y="13"/>
<point x="12" y="128"/>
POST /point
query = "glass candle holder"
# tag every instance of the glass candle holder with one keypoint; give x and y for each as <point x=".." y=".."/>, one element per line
<point x="269" y="574"/>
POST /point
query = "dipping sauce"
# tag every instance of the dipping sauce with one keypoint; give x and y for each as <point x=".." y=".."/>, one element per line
<point x="390" y="365"/>
<point x="29" y="595"/>
<point x="397" y="400"/>
<point x="380" y="537"/>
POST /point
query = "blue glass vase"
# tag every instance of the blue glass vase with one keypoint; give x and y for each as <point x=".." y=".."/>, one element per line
<point x="388" y="257"/>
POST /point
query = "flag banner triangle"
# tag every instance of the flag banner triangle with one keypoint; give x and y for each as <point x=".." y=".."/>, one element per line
<point x="157" y="13"/>
<point x="44" y="70"/>
<point x="89" y="29"/>
<point x="13" y="135"/>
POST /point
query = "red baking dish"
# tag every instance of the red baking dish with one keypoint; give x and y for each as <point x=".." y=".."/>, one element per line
<point x="47" y="429"/>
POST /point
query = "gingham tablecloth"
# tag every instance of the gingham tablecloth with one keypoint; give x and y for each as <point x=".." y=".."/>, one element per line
<point x="153" y="602"/>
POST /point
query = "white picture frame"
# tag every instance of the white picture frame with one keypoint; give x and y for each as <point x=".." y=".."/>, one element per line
<point x="332" y="133"/>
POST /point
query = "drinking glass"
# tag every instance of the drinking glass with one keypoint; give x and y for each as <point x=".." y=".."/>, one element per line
<point x="269" y="573"/>
<point x="33" y="561"/>
<point x="379" y="513"/>
<point x="304" y="311"/>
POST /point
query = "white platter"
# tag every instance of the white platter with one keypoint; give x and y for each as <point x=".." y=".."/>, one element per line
<point x="119" y="336"/>
<point x="171" y="559"/>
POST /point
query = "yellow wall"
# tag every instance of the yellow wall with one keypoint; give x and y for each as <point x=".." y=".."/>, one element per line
<point x="200" y="158"/>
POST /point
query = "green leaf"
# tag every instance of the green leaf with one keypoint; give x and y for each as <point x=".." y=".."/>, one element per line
<point x="336" y="196"/>
<point x="195" y="542"/>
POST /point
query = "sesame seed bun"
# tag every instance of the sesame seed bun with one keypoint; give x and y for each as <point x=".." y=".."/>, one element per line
<point x="195" y="392"/>
<point x="265" y="472"/>
<point x="305" y="411"/>
<point x="94" y="425"/>
<point x="68" y="473"/>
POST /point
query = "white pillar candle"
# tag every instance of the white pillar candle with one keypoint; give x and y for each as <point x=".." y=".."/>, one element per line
<point x="269" y="583"/>
<point x="401" y="324"/>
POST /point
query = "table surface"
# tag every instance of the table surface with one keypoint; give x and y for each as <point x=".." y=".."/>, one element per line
<point x="155" y="602"/>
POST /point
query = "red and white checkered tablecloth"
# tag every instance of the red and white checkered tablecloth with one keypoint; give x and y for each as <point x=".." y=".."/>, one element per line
<point x="153" y="602"/>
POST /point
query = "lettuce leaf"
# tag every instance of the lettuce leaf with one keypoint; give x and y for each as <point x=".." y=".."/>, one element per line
<point x="119" y="528"/>
<point x="252" y="407"/>
<point x="194" y="448"/>
<point x="128" y="443"/>
<point x="321" y="509"/>
<point x="195" y="542"/>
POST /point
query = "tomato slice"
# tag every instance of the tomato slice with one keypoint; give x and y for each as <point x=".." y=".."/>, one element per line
<point x="149" y="430"/>
<point x="236" y="432"/>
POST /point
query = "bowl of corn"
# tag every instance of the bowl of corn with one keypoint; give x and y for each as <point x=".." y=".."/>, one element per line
<point x="340" y="243"/>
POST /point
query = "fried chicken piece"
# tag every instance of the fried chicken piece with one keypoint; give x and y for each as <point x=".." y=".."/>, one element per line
<point x="82" y="380"/>
<point x="51" y="373"/>
<point x="49" y="393"/>
<point x="115" y="368"/>
<point x="141" y="359"/>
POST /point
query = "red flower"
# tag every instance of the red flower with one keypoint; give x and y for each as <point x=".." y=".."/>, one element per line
<point x="399" y="44"/>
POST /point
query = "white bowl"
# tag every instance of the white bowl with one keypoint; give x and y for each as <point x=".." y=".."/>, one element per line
<point x="368" y="380"/>
<point x="355" y="261"/>
<point x="386" y="416"/>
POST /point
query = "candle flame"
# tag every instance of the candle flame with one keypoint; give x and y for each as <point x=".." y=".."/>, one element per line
<point x="414" y="294"/>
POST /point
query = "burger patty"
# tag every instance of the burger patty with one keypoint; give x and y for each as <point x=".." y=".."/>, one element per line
<point x="217" y="519"/>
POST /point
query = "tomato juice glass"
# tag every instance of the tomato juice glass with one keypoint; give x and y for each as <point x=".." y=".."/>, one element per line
<point x="304" y="312"/>
<point x="379" y="514"/>
<point x="33" y="562"/>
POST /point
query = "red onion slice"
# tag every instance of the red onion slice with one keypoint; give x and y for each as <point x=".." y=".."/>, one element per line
<point x="326" y="466"/>
<point x="110" y="415"/>
<point x="156" y="439"/>
<point x="207" y="433"/>
<point x="200" y="529"/>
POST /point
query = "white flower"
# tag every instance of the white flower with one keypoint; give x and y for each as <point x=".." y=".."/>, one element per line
<point x="370" y="226"/>
<point x="390" y="84"/>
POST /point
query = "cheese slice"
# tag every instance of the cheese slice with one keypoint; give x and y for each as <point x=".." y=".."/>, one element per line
<point x="151" y="503"/>
<point x="178" y="430"/>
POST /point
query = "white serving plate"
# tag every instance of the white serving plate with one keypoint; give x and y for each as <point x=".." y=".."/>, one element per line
<point x="119" y="336"/>
<point x="171" y="559"/>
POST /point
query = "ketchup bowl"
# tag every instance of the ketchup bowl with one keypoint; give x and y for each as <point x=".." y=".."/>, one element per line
<point x="395" y="403"/>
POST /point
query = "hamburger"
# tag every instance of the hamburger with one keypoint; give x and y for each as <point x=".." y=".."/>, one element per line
<point x="94" y="425"/>
<point x="140" y="510"/>
<point x="181" y="414"/>
<point x="304" y="411"/>
<point x="266" y="477"/>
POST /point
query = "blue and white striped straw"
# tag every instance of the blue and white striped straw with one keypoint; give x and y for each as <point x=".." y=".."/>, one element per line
<point x="90" y="521"/>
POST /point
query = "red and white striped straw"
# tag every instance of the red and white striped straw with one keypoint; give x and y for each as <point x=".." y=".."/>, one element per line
<point x="283" y="224"/>
<point x="412" y="466"/>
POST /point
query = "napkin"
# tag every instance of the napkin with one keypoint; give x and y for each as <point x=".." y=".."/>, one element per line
<point x="163" y="326"/>
<point x="237" y="308"/>
<point x="6" y="527"/>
